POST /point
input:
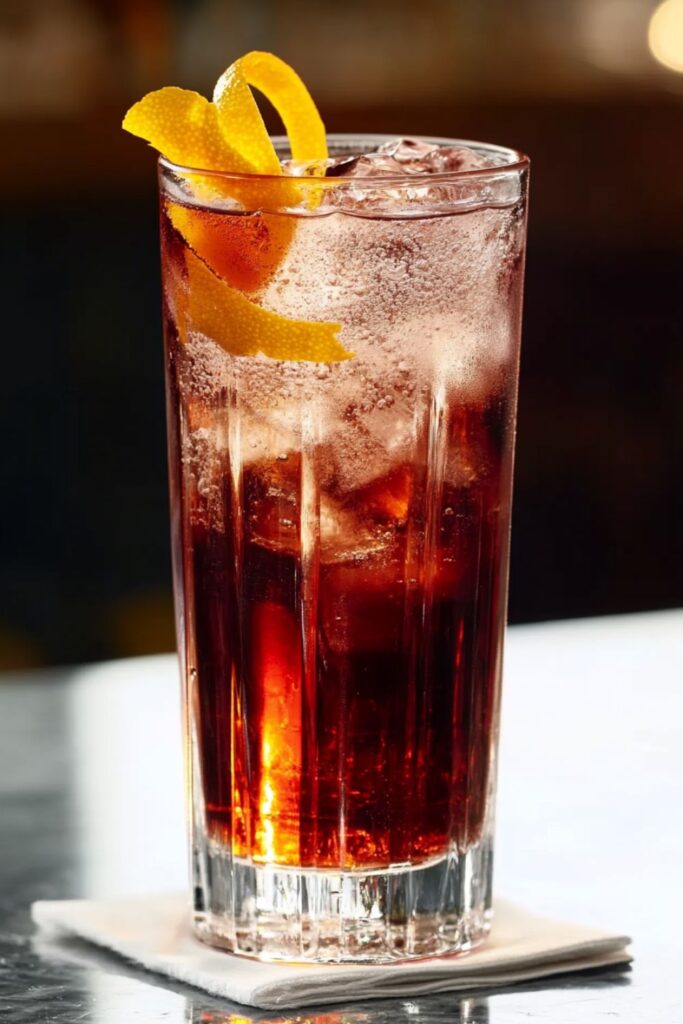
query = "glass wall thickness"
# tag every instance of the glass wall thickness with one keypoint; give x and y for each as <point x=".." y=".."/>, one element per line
<point x="340" y="547"/>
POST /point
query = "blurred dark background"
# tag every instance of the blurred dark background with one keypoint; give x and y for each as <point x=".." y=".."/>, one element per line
<point x="591" y="89"/>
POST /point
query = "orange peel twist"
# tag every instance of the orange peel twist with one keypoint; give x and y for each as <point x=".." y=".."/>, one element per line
<point x="228" y="136"/>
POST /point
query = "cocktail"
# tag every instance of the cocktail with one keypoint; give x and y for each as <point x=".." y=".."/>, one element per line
<point x="342" y="323"/>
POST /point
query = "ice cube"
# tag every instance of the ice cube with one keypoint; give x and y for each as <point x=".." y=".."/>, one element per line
<point x="395" y="158"/>
<point x="361" y="605"/>
<point x="344" y="534"/>
<point x="406" y="151"/>
<point x="413" y="156"/>
<point x="409" y="162"/>
<point x="305" y="168"/>
<point x="267" y="433"/>
<point x="360" y="165"/>
<point x="366" y="165"/>
<point x="271" y="497"/>
<point x="406" y="156"/>
<point x="385" y="498"/>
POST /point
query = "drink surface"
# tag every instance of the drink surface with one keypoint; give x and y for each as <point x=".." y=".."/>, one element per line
<point x="341" y="530"/>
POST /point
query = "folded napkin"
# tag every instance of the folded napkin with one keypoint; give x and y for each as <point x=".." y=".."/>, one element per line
<point x="154" y="932"/>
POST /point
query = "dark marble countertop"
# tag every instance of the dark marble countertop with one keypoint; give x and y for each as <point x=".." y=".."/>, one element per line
<point x="589" y="827"/>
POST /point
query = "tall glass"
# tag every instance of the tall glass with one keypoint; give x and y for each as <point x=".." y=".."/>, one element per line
<point x="340" y="542"/>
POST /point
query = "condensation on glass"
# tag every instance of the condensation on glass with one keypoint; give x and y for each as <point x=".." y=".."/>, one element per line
<point x="340" y="541"/>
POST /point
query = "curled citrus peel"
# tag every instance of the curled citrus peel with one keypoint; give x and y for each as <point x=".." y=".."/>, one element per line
<point x="236" y="253"/>
<point x="280" y="84"/>
<point x="244" y="250"/>
<point x="205" y="304"/>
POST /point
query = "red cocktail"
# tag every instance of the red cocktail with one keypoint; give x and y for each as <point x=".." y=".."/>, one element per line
<point x="341" y="542"/>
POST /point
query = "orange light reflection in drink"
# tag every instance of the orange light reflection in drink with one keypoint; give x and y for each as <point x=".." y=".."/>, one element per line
<point x="278" y="669"/>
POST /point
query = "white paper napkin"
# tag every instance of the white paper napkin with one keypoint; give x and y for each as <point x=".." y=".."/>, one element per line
<point x="154" y="932"/>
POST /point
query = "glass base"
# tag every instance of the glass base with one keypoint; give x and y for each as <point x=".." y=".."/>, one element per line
<point x="321" y="916"/>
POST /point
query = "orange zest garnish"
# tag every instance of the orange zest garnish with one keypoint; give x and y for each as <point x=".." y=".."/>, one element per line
<point x="245" y="251"/>
<point x="229" y="135"/>
<point x="186" y="129"/>
<point x="242" y="120"/>
<point x="205" y="304"/>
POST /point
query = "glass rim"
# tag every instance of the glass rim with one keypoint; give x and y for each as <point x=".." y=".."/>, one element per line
<point x="515" y="162"/>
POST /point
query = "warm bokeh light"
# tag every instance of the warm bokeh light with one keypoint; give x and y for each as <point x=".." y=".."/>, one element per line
<point x="612" y="34"/>
<point x="665" y="34"/>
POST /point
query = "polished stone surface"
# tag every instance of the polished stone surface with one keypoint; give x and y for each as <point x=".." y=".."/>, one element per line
<point x="590" y="827"/>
